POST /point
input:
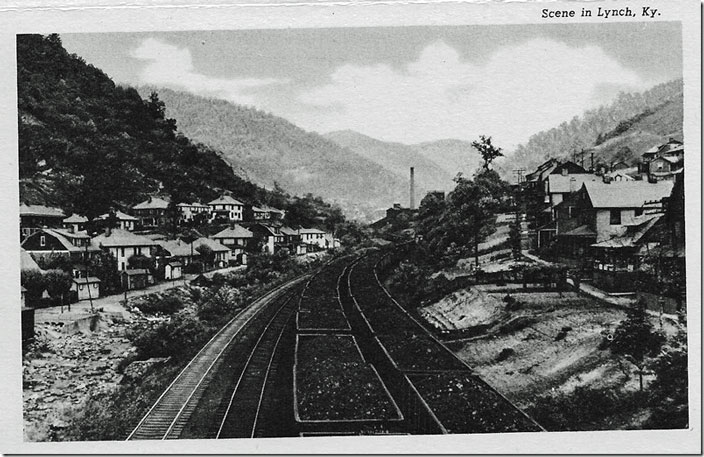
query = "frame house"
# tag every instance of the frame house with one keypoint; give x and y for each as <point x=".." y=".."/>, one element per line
<point x="226" y="209"/>
<point x="151" y="212"/>
<point x="601" y="211"/>
<point x="36" y="217"/>
<point x="237" y="239"/>
<point x="123" y="244"/>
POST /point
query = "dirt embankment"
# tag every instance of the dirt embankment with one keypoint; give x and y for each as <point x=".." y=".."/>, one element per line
<point x="557" y="347"/>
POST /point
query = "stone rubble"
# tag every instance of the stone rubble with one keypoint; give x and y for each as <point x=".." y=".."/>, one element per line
<point x="65" y="364"/>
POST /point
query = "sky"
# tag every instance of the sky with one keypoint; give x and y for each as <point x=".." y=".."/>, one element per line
<point x="402" y="84"/>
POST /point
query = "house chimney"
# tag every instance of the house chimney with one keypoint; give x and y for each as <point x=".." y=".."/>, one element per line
<point x="413" y="200"/>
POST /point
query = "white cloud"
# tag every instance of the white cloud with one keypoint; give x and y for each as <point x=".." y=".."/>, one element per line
<point x="170" y="66"/>
<point x="520" y="90"/>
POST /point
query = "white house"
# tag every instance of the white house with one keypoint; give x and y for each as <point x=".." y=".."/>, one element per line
<point x="124" y="221"/>
<point x="236" y="238"/>
<point x="123" y="245"/>
<point x="74" y="223"/>
<point x="226" y="208"/>
<point x="315" y="237"/>
<point x="188" y="211"/>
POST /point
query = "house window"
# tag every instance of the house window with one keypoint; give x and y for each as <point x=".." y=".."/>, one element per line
<point x="638" y="212"/>
<point x="122" y="252"/>
<point x="138" y="251"/>
<point x="95" y="286"/>
<point x="615" y="217"/>
<point x="42" y="240"/>
<point x="80" y="287"/>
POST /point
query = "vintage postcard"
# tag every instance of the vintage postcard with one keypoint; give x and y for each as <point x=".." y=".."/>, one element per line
<point x="433" y="227"/>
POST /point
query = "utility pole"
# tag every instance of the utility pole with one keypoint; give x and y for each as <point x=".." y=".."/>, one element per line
<point x="90" y="297"/>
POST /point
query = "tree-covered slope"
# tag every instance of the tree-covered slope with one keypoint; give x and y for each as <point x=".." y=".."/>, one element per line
<point x="272" y="150"/>
<point x="633" y="120"/>
<point x="86" y="144"/>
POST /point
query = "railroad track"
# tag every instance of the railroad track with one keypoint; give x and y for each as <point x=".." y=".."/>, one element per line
<point x="246" y="405"/>
<point x="168" y="416"/>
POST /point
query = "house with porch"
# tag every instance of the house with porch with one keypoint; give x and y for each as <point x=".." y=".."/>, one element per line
<point x="190" y="212"/>
<point x="123" y="244"/>
<point x="36" y="217"/>
<point x="74" y="223"/>
<point x="152" y="212"/>
<point x="237" y="239"/>
<point x="221" y="252"/>
<point x="601" y="211"/>
<point x="179" y="250"/>
<point x="226" y="209"/>
<point x="315" y="238"/>
<point x="122" y="220"/>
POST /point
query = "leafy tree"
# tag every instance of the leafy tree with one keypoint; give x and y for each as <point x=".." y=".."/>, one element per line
<point x="58" y="284"/>
<point x="635" y="338"/>
<point x="668" y="392"/>
<point x="103" y="265"/>
<point x="141" y="261"/>
<point x="34" y="282"/>
<point x="487" y="150"/>
<point x="207" y="255"/>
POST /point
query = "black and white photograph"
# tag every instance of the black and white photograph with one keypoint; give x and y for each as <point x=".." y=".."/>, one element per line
<point x="356" y="232"/>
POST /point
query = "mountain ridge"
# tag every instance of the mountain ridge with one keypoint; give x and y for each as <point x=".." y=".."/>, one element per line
<point x="305" y="162"/>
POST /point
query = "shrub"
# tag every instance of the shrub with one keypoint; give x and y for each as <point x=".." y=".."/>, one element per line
<point x="180" y="337"/>
<point x="157" y="304"/>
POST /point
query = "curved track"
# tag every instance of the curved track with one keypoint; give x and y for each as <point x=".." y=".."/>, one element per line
<point x="168" y="416"/>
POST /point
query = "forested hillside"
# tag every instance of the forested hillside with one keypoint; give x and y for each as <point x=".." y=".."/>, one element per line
<point x="397" y="158"/>
<point x="87" y="144"/>
<point x="273" y="150"/>
<point x="636" y="121"/>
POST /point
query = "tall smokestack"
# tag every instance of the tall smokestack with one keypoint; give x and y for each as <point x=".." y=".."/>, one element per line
<point x="413" y="196"/>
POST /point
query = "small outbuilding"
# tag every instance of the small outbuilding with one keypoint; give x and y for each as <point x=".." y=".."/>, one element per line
<point x="173" y="269"/>
<point x="86" y="288"/>
<point x="136" y="278"/>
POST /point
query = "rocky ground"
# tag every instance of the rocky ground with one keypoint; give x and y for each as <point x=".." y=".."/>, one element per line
<point x="63" y="366"/>
<point x="73" y="356"/>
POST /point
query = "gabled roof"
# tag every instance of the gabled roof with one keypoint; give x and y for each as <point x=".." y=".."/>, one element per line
<point x="560" y="184"/>
<point x="88" y="280"/>
<point x="135" y="271"/>
<point x="634" y="234"/>
<point x="626" y="194"/>
<point x="266" y="209"/>
<point x="152" y="203"/>
<point x="669" y="159"/>
<point x="62" y="236"/>
<point x="212" y="244"/>
<point x="27" y="262"/>
<point x="582" y="230"/>
<point x="40" y="210"/>
<point x="120" y="216"/>
<point x="120" y="238"/>
<point x="75" y="219"/>
<point x="81" y="234"/>
<point x="225" y="200"/>
<point x="177" y="248"/>
<point x="236" y="232"/>
<point x="197" y="204"/>
<point x="288" y="231"/>
<point x="311" y="230"/>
